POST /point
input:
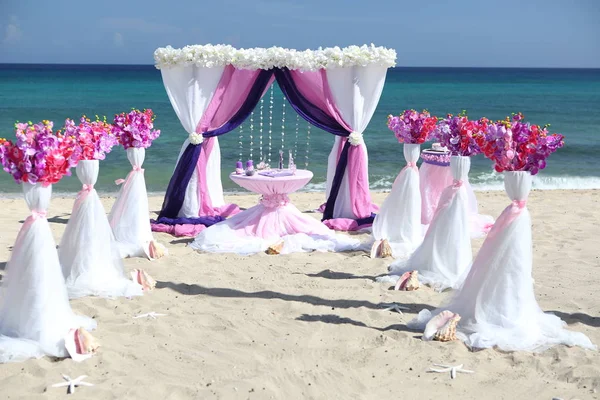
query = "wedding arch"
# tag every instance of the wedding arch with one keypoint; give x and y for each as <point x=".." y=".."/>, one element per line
<point x="213" y="89"/>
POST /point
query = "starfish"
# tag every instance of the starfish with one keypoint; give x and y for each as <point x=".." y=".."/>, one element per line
<point x="151" y="314"/>
<point x="452" y="368"/>
<point x="72" y="383"/>
<point x="394" y="307"/>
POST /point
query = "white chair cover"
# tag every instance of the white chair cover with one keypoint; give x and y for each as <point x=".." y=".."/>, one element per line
<point x="190" y="89"/>
<point x="399" y="218"/>
<point x="130" y="215"/>
<point x="497" y="302"/>
<point x="88" y="252"/>
<point x="445" y="254"/>
<point x="35" y="314"/>
<point x="356" y="91"/>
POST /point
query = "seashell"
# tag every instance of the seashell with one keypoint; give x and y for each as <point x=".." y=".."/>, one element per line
<point x="140" y="276"/>
<point x="157" y="250"/>
<point x="80" y="344"/>
<point x="442" y="327"/>
<point x="276" y="248"/>
<point x="381" y="249"/>
<point x="408" y="281"/>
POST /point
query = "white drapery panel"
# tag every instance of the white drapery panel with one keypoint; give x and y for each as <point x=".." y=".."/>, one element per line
<point x="356" y="91"/>
<point x="190" y="90"/>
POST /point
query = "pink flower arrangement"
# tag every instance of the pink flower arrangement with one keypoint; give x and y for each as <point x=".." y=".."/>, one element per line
<point x="411" y="126"/>
<point x="38" y="155"/>
<point x="458" y="134"/>
<point x="93" y="140"/>
<point x="135" y="129"/>
<point x="514" y="145"/>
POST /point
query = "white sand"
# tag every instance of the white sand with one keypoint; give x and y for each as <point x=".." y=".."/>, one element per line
<point x="310" y="326"/>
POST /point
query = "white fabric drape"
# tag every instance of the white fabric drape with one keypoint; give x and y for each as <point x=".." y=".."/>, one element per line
<point x="130" y="215"/>
<point x="399" y="218"/>
<point x="88" y="253"/>
<point x="356" y="91"/>
<point x="496" y="302"/>
<point x="445" y="254"/>
<point x="190" y="90"/>
<point x="35" y="314"/>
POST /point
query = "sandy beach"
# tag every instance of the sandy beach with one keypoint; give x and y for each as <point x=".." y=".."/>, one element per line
<point x="311" y="325"/>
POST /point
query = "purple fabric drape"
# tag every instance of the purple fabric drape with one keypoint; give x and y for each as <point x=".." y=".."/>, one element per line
<point x="184" y="170"/>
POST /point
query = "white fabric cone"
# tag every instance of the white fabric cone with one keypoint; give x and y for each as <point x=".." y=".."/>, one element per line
<point x="445" y="255"/>
<point x="88" y="252"/>
<point x="35" y="314"/>
<point x="497" y="302"/>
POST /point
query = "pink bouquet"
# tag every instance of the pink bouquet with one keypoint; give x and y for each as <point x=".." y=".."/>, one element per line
<point x="459" y="134"/>
<point x="411" y="126"/>
<point x="38" y="155"/>
<point x="93" y="140"/>
<point x="135" y="129"/>
<point x="514" y="145"/>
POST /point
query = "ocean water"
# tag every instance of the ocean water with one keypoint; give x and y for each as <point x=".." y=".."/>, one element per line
<point x="568" y="99"/>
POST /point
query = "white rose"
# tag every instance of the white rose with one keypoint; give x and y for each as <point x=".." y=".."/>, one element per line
<point x="356" y="139"/>
<point x="195" y="138"/>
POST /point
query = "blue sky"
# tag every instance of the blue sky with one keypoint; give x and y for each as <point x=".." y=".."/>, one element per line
<point x="481" y="33"/>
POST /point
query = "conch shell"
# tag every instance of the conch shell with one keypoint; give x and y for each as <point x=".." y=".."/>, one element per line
<point x="408" y="281"/>
<point x="140" y="276"/>
<point x="276" y="248"/>
<point x="381" y="249"/>
<point x="442" y="327"/>
<point x="80" y="344"/>
<point x="157" y="250"/>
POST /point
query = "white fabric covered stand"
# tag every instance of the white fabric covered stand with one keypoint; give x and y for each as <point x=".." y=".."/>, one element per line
<point x="444" y="257"/>
<point x="190" y="89"/>
<point x="35" y="314"/>
<point x="130" y="215"/>
<point x="497" y="302"/>
<point x="399" y="218"/>
<point x="356" y="91"/>
<point x="88" y="252"/>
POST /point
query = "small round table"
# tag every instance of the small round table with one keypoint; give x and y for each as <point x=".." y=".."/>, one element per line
<point x="435" y="176"/>
<point x="274" y="189"/>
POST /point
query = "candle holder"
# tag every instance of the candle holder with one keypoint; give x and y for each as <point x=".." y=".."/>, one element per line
<point x="239" y="168"/>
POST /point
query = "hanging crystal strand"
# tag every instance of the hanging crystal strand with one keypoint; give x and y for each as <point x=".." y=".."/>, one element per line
<point x="260" y="130"/>
<point x="307" y="147"/>
<point x="296" y="142"/>
<point x="241" y="143"/>
<point x="270" y="122"/>
<point x="283" y="124"/>
<point x="251" y="133"/>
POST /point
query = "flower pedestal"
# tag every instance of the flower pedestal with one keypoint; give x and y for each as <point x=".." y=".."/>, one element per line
<point x="444" y="257"/>
<point x="35" y="315"/>
<point x="88" y="252"/>
<point x="497" y="303"/>
<point x="130" y="216"/>
<point x="399" y="218"/>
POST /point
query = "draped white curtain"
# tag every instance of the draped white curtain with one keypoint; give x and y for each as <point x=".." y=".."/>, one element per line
<point x="190" y="90"/>
<point x="356" y="91"/>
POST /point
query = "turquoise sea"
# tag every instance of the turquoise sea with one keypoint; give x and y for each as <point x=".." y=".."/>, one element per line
<point x="568" y="99"/>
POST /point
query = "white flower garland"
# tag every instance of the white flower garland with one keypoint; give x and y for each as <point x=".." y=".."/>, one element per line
<point x="195" y="138"/>
<point x="356" y="139"/>
<point x="274" y="57"/>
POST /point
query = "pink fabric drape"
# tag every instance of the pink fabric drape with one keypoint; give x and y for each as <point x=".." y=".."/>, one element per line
<point x="231" y="92"/>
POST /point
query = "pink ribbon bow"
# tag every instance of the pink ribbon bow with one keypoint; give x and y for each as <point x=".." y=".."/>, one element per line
<point x="519" y="203"/>
<point x="411" y="164"/>
<point x="37" y="214"/>
<point x="87" y="188"/>
<point x="457" y="183"/>
<point x="137" y="168"/>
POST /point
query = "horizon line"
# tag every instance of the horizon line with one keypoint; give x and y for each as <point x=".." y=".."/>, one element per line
<point x="397" y="66"/>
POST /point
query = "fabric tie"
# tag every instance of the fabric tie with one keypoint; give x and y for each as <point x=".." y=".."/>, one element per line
<point x="37" y="214"/>
<point x="137" y="168"/>
<point x="274" y="200"/>
<point x="119" y="181"/>
<point x="87" y="188"/>
<point x="520" y="204"/>
<point x="411" y="164"/>
<point x="457" y="183"/>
